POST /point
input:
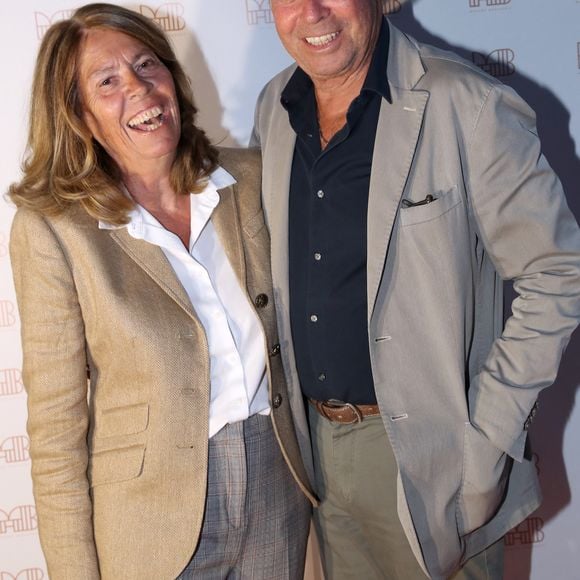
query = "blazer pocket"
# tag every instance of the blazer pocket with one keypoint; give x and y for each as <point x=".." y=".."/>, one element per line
<point x="125" y="420"/>
<point x="116" y="465"/>
<point x="444" y="201"/>
<point x="254" y="225"/>
<point x="485" y="473"/>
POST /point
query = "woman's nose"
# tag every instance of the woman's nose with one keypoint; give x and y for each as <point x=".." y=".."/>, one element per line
<point x="136" y="86"/>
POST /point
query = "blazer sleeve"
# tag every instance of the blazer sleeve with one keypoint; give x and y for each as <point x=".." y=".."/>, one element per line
<point x="533" y="239"/>
<point x="55" y="378"/>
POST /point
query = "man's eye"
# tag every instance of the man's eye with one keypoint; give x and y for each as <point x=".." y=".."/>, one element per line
<point x="105" y="82"/>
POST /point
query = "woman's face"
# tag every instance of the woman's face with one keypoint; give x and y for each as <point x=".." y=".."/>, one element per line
<point x="129" y="102"/>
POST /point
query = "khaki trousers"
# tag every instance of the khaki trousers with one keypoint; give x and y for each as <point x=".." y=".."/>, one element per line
<point x="358" y="528"/>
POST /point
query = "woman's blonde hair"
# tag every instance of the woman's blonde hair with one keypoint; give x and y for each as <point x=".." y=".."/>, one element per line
<point x="64" y="165"/>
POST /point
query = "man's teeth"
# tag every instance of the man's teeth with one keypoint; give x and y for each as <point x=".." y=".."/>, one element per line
<point x="320" y="40"/>
<point x="145" y="117"/>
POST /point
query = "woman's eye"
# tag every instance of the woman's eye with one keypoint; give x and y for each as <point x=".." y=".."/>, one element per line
<point x="105" y="82"/>
<point x="145" y="64"/>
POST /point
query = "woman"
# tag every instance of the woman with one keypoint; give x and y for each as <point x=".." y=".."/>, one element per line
<point x="141" y="260"/>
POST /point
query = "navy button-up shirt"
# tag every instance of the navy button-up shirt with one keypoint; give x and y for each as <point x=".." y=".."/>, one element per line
<point x="327" y="239"/>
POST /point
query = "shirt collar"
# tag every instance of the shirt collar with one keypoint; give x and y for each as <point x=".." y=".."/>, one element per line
<point x="377" y="79"/>
<point x="205" y="200"/>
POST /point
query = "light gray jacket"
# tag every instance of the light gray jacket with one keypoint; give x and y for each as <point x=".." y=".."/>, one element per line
<point x="457" y="389"/>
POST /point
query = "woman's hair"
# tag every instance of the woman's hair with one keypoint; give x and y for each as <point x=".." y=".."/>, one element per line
<point x="64" y="165"/>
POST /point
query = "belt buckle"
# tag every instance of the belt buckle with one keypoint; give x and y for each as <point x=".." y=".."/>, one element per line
<point x="335" y="403"/>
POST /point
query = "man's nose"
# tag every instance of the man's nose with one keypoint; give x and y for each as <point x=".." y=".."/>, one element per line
<point x="315" y="10"/>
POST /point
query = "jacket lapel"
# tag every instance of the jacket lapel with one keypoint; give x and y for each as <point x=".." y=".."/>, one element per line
<point x="153" y="261"/>
<point x="277" y="161"/>
<point x="400" y="121"/>
<point x="227" y="225"/>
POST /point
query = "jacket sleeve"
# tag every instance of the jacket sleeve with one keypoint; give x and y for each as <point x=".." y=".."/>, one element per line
<point x="533" y="239"/>
<point x="55" y="378"/>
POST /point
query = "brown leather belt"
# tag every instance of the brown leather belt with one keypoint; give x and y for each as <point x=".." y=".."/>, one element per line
<point x="341" y="412"/>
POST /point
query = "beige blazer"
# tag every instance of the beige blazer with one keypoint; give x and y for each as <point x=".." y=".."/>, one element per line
<point x="119" y="469"/>
<point x="456" y="390"/>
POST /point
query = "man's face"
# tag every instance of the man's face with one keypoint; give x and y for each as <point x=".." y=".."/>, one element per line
<point x="329" y="39"/>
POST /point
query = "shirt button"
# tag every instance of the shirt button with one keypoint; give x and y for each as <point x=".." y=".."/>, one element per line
<point x="275" y="350"/>
<point x="321" y="377"/>
<point x="313" y="318"/>
<point x="320" y="193"/>
<point x="277" y="401"/>
<point x="318" y="256"/>
<point x="261" y="301"/>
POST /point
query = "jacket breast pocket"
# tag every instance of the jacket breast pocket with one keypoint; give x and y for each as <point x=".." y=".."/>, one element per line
<point x="485" y="473"/>
<point x="420" y="212"/>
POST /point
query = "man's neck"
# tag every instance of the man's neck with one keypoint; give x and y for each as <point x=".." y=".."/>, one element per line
<point x="333" y="99"/>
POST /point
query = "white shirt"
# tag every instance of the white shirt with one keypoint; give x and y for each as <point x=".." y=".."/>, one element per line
<point x="236" y="341"/>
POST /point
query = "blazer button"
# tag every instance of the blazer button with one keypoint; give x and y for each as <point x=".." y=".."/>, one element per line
<point x="275" y="350"/>
<point x="277" y="401"/>
<point x="261" y="301"/>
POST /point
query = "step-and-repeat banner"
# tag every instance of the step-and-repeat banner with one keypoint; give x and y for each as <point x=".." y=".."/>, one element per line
<point x="230" y="49"/>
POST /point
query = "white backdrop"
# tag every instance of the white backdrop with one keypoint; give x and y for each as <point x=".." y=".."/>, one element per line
<point x="230" y="49"/>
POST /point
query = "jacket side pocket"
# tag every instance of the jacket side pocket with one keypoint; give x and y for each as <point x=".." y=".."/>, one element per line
<point x="485" y="473"/>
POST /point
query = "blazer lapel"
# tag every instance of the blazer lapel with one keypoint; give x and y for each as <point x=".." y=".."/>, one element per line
<point x="390" y="169"/>
<point x="227" y="225"/>
<point x="277" y="162"/>
<point x="400" y="122"/>
<point x="153" y="261"/>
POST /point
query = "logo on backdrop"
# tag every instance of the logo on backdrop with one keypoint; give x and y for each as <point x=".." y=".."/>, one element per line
<point x="7" y="313"/>
<point x="491" y="3"/>
<point x="169" y="17"/>
<point x="391" y="6"/>
<point x="259" y="12"/>
<point x="4" y="251"/>
<point x="45" y="21"/>
<point x="27" y="574"/>
<point x="530" y="531"/>
<point x="10" y="382"/>
<point x="14" y="450"/>
<point x="499" y="63"/>
<point x="18" y="520"/>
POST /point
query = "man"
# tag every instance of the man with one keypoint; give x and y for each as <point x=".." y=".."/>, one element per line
<point x="401" y="186"/>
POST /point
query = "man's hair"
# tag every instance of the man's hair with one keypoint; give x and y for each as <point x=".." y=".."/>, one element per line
<point x="64" y="165"/>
